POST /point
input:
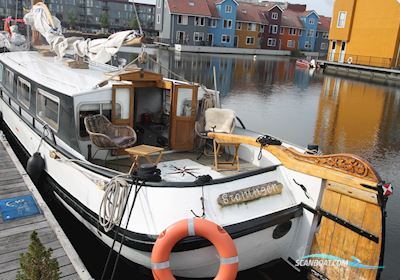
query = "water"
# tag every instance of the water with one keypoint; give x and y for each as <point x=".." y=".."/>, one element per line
<point x="270" y="95"/>
<point x="301" y="106"/>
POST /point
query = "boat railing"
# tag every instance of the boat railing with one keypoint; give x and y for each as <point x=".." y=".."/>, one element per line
<point x="348" y="58"/>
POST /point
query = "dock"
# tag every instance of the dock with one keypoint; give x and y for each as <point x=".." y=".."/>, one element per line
<point x="15" y="232"/>
<point x="364" y="72"/>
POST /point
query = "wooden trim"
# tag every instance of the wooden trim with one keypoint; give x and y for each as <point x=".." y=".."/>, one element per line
<point x="346" y="169"/>
<point x="165" y="84"/>
<point x="353" y="192"/>
<point x="131" y="106"/>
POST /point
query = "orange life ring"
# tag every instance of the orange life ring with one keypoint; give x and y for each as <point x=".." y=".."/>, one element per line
<point x="229" y="261"/>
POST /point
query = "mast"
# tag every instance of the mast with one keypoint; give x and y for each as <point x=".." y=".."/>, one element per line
<point x="36" y="37"/>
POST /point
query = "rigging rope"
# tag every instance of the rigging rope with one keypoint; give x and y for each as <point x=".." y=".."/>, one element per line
<point x="137" y="18"/>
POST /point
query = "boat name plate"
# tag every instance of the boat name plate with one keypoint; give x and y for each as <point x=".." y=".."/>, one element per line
<point x="250" y="194"/>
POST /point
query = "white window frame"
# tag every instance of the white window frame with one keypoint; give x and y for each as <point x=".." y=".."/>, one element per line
<point x="158" y="3"/>
<point x="55" y="99"/>
<point x="311" y="21"/>
<point x="274" y="15"/>
<point x="184" y="20"/>
<point x="228" y="9"/>
<point x="198" y="36"/>
<point x="273" y="29"/>
<point x="324" y="46"/>
<point x="213" y="23"/>
<point x="250" y="26"/>
<point x="158" y="19"/>
<point x="26" y="103"/>
<point x="238" y="26"/>
<point x="178" y="32"/>
<point x="226" y="36"/>
<point x="229" y="24"/>
<point x="300" y="32"/>
<point x="307" y="43"/>
<point x="293" y="45"/>
<point x="1" y="72"/>
<point x="10" y="87"/>
<point x="250" y="38"/>
<point x="271" y="40"/>
<point x="310" y="33"/>
<point x="281" y="31"/>
<point x="325" y="35"/>
<point x="341" y="22"/>
<point x="199" y="21"/>
<point x="262" y="28"/>
<point x="292" y="31"/>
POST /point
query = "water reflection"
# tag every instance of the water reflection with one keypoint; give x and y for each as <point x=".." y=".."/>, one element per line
<point x="272" y="96"/>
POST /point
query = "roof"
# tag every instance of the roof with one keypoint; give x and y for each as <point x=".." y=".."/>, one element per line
<point x="270" y="6"/>
<point x="307" y="13"/>
<point x="297" y="7"/>
<point x="250" y="13"/>
<point x="47" y="72"/>
<point x="324" y="23"/>
<point x="291" y="18"/>
<point x="213" y="8"/>
<point x="189" y="7"/>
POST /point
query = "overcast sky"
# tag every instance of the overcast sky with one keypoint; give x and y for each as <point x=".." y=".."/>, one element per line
<point x="322" y="7"/>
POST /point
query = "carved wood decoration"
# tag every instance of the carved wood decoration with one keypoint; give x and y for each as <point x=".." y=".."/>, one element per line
<point x="345" y="163"/>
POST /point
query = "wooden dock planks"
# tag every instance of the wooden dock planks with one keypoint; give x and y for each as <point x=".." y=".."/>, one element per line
<point x="15" y="234"/>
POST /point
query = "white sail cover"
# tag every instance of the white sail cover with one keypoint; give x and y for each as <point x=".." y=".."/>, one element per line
<point x="13" y="41"/>
<point x="97" y="50"/>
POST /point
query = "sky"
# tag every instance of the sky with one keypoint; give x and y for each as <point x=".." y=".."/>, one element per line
<point x="322" y="7"/>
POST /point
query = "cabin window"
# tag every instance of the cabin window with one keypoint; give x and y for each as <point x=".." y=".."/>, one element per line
<point x="94" y="109"/>
<point x="24" y="92"/>
<point x="48" y="108"/>
<point x="1" y="72"/>
<point x="9" y="80"/>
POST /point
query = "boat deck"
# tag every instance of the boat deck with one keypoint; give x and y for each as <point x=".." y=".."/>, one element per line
<point x="123" y="164"/>
<point x="15" y="233"/>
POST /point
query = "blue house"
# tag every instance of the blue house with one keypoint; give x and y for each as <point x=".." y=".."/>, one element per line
<point x="222" y="24"/>
<point x="308" y="35"/>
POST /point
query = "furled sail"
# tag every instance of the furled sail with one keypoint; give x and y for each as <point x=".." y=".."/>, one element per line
<point x="97" y="50"/>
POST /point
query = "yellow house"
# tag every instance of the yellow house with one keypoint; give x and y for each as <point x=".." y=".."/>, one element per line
<point x="250" y="23"/>
<point x="365" y="32"/>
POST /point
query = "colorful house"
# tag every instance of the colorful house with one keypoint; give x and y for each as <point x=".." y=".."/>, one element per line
<point x="365" y="33"/>
<point x="270" y="38"/>
<point x="223" y="27"/>
<point x="290" y="30"/>
<point x="307" y="38"/>
<point x="250" y="23"/>
<point x="322" y="41"/>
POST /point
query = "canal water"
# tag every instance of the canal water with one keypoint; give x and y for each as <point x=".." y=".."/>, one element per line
<point x="272" y="96"/>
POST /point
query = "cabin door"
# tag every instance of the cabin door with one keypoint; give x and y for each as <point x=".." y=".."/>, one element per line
<point x="333" y="51"/>
<point x="358" y="208"/>
<point x="122" y="105"/>
<point x="183" y="117"/>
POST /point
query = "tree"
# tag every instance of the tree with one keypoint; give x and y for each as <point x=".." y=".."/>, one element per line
<point x="134" y="23"/>
<point x="37" y="264"/>
<point x="104" y="20"/>
<point x="71" y="19"/>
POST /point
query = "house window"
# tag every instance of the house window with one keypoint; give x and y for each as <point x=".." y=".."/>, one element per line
<point x="158" y="18"/>
<point x="212" y="23"/>
<point x="48" y="108"/>
<point x="9" y="79"/>
<point x="182" y="20"/>
<point x="251" y="27"/>
<point x="325" y="35"/>
<point x="307" y="45"/>
<point x="281" y="30"/>
<point x="271" y="42"/>
<point x="158" y="3"/>
<point x="292" y="31"/>
<point x="198" y="36"/>
<point x="228" y="9"/>
<point x="290" y="43"/>
<point x="238" y="26"/>
<point x="249" y="40"/>
<point x="310" y="33"/>
<point x="262" y="27"/>
<point x="24" y="92"/>
<point x="225" y="38"/>
<point x="180" y="36"/>
<point x="300" y="32"/>
<point x="341" y="19"/>
<point x="274" y="15"/>
<point x="273" y="29"/>
<point x="228" y="23"/>
<point x="311" y="21"/>
<point x="316" y="34"/>
<point x="323" y="46"/>
<point x="199" y="21"/>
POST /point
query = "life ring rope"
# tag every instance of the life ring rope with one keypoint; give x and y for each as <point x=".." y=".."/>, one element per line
<point x="228" y="256"/>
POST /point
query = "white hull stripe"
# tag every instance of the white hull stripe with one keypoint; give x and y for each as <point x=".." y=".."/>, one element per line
<point x="162" y="265"/>
<point x="191" y="231"/>
<point x="229" y="260"/>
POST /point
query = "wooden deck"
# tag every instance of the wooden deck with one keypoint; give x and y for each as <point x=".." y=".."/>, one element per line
<point x="15" y="234"/>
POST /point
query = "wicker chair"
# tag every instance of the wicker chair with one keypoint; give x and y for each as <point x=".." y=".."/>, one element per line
<point x="106" y="136"/>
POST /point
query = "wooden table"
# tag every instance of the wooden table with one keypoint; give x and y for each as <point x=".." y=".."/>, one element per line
<point x="234" y="164"/>
<point x="143" y="151"/>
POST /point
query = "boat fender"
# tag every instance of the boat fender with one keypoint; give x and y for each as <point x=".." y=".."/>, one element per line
<point x="350" y="60"/>
<point x="229" y="260"/>
<point x="35" y="167"/>
<point x="312" y="149"/>
<point x="148" y="173"/>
